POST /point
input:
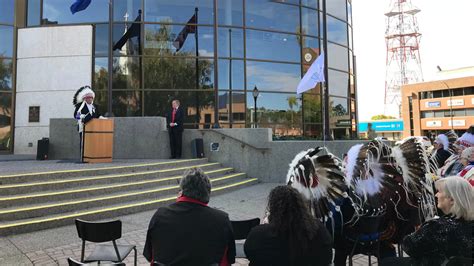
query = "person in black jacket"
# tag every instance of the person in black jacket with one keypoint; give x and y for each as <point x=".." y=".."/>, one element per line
<point x="188" y="232"/>
<point x="174" y="123"/>
<point x="292" y="237"/>
<point x="442" y="151"/>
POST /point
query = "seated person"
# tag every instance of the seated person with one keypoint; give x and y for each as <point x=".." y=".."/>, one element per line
<point x="188" y="232"/>
<point x="291" y="237"/>
<point x="467" y="160"/>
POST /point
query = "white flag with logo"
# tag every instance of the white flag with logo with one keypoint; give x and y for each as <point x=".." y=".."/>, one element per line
<point x="314" y="75"/>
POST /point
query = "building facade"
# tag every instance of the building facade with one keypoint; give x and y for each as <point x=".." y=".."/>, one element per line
<point x="431" y="108"/>
<point x="210" y="54"/>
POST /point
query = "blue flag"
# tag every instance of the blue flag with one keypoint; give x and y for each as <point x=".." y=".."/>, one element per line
<point x="314" y="75"/>
<point x="80" y="5"/>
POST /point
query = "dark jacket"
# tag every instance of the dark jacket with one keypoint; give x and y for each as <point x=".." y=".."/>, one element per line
<point x="179" y="118"/>
<point x="264" y="246"/>
<point x="439" y="239"/>
<point x="85" y="111"/>
<point x="440" y="157"/>
<point x="186" y="233"/>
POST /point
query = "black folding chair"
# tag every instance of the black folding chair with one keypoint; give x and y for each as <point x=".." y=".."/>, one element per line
<point x="241" y="230"/>
<point x="73" y="262"/>
<point x="99" y="232"/>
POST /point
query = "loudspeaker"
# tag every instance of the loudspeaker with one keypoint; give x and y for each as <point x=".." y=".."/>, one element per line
<point x="42" y="149"/>
<point x="197" y="148"/>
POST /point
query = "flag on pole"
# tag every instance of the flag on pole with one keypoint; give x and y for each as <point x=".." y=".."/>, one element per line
<point x="314" y="75"/>
<point x="79" y="5"/>
<point x="132" y="31"/>
<point x="179" y="41"/>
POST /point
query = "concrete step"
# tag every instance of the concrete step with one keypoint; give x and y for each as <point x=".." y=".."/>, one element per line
<point x="93" y="170"/>
<point x="78" y="182"/>
<point x="28" y="225"/>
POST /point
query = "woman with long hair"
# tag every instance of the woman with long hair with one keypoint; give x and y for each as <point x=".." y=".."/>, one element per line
<point x="291" y="237"/>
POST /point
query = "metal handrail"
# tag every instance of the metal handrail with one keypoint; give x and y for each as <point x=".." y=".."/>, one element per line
<point x="236" y="139"/>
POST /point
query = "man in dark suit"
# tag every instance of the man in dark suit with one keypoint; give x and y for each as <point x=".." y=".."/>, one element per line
<point x="174" y="122"/>
<point x="188" y="232"/>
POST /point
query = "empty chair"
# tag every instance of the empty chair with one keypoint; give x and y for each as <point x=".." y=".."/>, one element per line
<point x="241" y="230"/>
<point x="99" y="232"/>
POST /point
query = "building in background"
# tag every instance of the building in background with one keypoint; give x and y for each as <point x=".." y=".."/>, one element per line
<point x="389" y="129"/>
<point x="257" y="43"/>
<point x="434" y="107"/>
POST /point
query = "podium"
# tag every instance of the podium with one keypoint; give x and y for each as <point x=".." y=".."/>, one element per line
<point x="98" y="141"/>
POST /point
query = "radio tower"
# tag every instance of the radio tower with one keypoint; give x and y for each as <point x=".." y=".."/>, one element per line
<point x="403" y="62"/>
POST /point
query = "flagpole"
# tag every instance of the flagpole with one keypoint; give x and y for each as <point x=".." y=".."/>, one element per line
<point x="216" y="67"/>
<point x="196" y="36"/>
<point x="110" y="60"/>
<point x="327" y="133"/>
<point x="231" y="118"/>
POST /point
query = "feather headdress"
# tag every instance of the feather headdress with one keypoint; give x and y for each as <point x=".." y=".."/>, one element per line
<point x="81" y="93"/>
<point x="466" y="140"/>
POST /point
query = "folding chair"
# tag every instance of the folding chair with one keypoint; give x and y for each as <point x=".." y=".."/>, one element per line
<point x="73" y="262"/>
<point x="241" y="230"/>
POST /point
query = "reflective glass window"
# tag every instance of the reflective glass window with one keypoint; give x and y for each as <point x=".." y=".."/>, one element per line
<point x="163" y="40"/>
<point x="101" y="73"/>
<point x="309" y="20"/>
<point x="5" y="120"/>
<point x="338" y="57"/>
<point x="126" y="44"/>
<point x="349" y="12"/>
<point x="273" y="76"/>
<point x="233" y="68"/>
<point x="230" y="12"/>
<point x="172" y="11"/>
<point x="168" y="73"/>
<point x="337" y="8"/>
<point x="101" y="98"/>
<point x="337" y="31"/>
<point x="126" y="73"/>
<point x="7" y="11"/>
<point x="338" y="107"/>
<point x="339" y="118"/>
<point x="6" y="67"/>
<point x="58" y="12"/>
<point x="233" y="36"/>
<point x="310" y="50"/>
<point x="272" y="46"/>
<point x="6" y="43"/>
<point x="313" y="130"/>
<point x="338" y="83"/>
<point x="310" y="3"/>
<point x="236" y="114"/>
<point x="312" y="108"/>
<point x="127" y="10"/>
<point x="101" y="39"/>
<point x="272" y="15"/>
<point x="34" y="12"/>
<point x="127" y="103"/>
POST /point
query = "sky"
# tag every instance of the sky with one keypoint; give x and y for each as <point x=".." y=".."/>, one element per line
<point x="447" y="41"/>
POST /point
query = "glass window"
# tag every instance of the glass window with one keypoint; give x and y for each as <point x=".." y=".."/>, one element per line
<point x="235" y="68"/>
<point x="338" y="57"/>
<point x="238" y="107"/>
<point x="338" y="107"/>
<point x="309" y="19"/>
<point x="349" y="12"/>
<point x="337" y="31"/>
<point x="469" y="91"/>
<point x="127" y="103"/>
<point x="101" y="39"/>
<point x="272" y="46"/>
<point x="126" y="10"/>
<point x="7" y="11"/>
<point x="440" y="113"/>
<point x="339" y="118"/>
<point x="163" y="40"/>
<point x="279" y="111"/>
<point x="310" y="3"/>
<point x="172" y="11"/>
<point x="235" y="36"/>
<point x="126" y="73"/>
<point x="314" y="130"/>
<point x="6" y="67"/>
<point x="427" y="114"/>
<point x="126" y="44"/>
<point x="437" y="94"/>
<point x="312" y="44"/>
<point x="338" y="83"/>
<point x="230" y="12"/>
<point x="5" y="120"/>
<point x="178" y="73"/>
<point x="101" y="73"/>
<point x="458" y="92"/>
<point x="101" y="98"/>
<point x="58" y="11"/>
<point x="469" y="112"/>
<point x="461" y="112"/>
<point x="273" y="76"/>
<point x="6" y="43"/>
<point x="34" y="12"/>
<point x="312" y="108"/>
<point x="272" y="15"/>
<point x="349" y="34"/>
<point x="337" y="8"/>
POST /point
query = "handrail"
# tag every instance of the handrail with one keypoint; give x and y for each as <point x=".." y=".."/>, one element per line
<point x="236" y="139"/>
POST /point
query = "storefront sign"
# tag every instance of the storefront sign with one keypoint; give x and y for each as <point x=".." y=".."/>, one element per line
<point x="472" y="101"/>
<point x="434" y="123"/>
<point x="457" y="123"/>
<point x="456" y="102"/>
<point x="381" y="126"/>
<point x="433" y="104"/>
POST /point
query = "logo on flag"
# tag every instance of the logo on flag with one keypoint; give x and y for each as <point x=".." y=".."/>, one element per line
<point x="314" y="75"/>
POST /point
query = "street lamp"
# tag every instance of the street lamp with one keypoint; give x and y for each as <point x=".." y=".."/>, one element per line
<point x="450" y="99"/>
<point x="255" y="94"/>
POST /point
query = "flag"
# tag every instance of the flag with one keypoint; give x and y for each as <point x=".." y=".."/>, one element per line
<point x="79" y="5"/>
<point x="132" y="31"/>
<point x="179" y="41"/>
<point x="314" y="75"/>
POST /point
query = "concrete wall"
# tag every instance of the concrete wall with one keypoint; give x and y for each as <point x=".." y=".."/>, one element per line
<point x="48" y="74"/>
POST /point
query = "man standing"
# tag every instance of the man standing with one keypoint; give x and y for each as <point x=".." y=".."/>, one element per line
<point x="174" y="122"/>
<point x="188" y="232"/>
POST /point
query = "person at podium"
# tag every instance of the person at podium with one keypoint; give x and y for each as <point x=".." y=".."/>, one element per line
<point x="174" y="123"/>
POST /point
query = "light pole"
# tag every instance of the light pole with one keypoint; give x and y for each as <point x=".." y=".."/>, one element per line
<point x="255" y="94"/>
<point x="450" y="99"/>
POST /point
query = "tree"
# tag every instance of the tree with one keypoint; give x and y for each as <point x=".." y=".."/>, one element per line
<point x="381" y="117"/>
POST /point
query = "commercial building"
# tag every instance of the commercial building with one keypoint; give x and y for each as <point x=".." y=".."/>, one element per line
<point x="138" y="55"/>
<point x="434" y="107"/>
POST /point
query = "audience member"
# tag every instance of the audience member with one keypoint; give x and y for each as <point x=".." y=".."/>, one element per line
<point x="442" y="150"/>
<point x="467" y="160"/>
<point x="291" y="237"/>
<point x="188" y="232"/>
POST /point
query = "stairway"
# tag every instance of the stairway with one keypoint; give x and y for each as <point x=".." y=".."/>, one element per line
<point x="35" y="201"/>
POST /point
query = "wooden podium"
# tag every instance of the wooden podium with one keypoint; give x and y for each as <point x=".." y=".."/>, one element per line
<point x="98" y="141"/>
